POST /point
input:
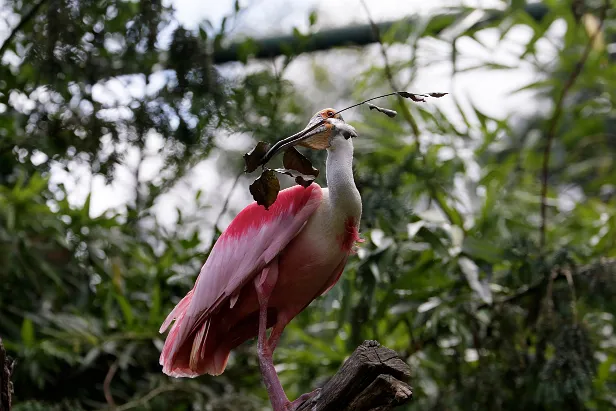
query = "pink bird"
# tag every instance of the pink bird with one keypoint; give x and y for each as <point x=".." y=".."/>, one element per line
<point x="269" y="265"/>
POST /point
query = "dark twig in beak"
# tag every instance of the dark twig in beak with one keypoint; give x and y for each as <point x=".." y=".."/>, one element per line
<point x="310" y="130"/>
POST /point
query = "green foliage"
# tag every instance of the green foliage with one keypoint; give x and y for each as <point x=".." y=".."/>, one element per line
<point x="452" y="275"/>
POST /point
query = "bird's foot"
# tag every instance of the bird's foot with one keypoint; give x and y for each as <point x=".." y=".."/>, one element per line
<point x="292" y="406"/>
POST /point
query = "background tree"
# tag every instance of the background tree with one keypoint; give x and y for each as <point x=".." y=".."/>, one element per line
<point x="489" y="261"/>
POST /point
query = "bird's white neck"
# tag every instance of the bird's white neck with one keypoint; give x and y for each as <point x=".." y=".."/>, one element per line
<point x="343" y="193"/>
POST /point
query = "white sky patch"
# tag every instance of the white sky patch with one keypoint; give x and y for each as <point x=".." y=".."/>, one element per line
<point x="270" y="17"/>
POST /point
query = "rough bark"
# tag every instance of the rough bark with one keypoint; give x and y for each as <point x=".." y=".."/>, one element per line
<point x="372" y="379"/>
<point x="6" y="387"/>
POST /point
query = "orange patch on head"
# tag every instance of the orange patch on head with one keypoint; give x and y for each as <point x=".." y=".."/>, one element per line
<point x="319" y="141"/>
<point x="329" y="113"/>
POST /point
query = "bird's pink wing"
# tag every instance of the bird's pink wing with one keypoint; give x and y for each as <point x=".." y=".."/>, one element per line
<point x="252" y="240"/>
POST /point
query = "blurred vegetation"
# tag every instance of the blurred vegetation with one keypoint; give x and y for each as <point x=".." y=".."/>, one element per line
<point x="454" y="275"/>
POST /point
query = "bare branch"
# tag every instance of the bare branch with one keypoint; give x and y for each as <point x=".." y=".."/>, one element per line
<point x="140" y="402"/>
<point x="107" y="385"/>
<point x="587" y="272"/>
<point x="225" y="205"/>
<point x="571" y="285"/>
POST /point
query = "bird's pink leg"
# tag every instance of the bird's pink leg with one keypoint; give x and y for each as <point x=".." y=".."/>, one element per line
<point x="264" y="285"/>
<point x="281" y="322"/>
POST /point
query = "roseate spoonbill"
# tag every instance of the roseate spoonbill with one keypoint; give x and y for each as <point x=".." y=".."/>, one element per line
<point x="268" y="265"/>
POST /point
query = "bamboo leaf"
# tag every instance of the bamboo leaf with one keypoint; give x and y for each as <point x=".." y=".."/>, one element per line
<point x="27" y="332"/>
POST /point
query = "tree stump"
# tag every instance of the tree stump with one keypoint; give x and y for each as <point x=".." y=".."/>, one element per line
<point x="6" y="387"/>
<point x="372" y="379"/>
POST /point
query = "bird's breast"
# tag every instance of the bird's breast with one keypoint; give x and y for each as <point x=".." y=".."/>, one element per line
<point x="313" y="259"/>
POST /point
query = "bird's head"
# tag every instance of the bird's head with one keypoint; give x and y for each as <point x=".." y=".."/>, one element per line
<point x="334" y="130"/>
<point x="325" y="130"/>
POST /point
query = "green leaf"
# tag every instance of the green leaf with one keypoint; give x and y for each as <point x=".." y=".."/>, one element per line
<point x="312" y="18"/>
<point x="471" y="273"/>
<point x="487" y="65"/>
<point x="27" y="332"/>
<point x="10" y="217"/>
<point x="126" y="309"/>
<point x="603" y="373"/>
<point x="155" y="304"/>
<point x="452" y="214"/>
<point x="485" y="250"/>
<point x="536" y="85"/>
<point x="86" y="207"/>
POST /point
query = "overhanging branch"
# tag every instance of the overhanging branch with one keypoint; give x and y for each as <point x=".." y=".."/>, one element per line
<point x="357" y="35"/>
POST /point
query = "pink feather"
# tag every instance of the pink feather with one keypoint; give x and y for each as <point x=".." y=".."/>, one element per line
<point x="203" y="334"/>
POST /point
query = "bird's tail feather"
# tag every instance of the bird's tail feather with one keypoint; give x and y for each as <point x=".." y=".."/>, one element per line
<point x="196" y="354"/>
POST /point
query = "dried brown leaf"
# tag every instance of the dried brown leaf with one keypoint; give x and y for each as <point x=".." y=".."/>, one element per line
<point x="386" y="111"/>
<point x="405" y="94"/>
<point x="301" y="179"/>
<point x="414" y="97"/>
<point x="265" y="189"/>
<point x="303" y="182"/>
<point x="253" y="158"/>
<point x="419" y="97"/>
<point x="294" y="160"/>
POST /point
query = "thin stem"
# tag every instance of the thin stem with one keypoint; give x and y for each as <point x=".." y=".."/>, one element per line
<point x="370" y="99"/>
<point x="226" y="203"/>
<point x="571" y="284"/>
<point x="143" y="401"/>
<point x="107" y="385"/>
<point x="292" y="140"/>
<point x="390" y="77"/>
<point x="558" y="110"/>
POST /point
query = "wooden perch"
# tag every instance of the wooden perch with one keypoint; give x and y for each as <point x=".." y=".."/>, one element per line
<point x="6" y="387"/>
<point x="372" y="379"/>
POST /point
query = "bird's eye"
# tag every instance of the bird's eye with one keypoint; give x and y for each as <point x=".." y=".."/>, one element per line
<point x="330" y="113"/>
